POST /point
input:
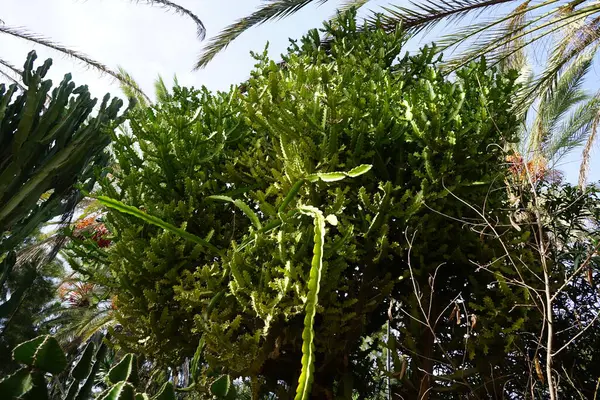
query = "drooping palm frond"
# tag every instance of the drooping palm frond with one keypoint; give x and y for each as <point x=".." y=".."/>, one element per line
<point x="131" y="88"/>
<point x="587" y="150"/>
<point x="70" y="324"/>
<point x="555" y="104"/>
<point x="7" y="70"/>
<point x="273" y="9"/>
<point x="574" y="131"/>
<point x="169" y="5"/>
<point x="517" y="60"/>
<point x="46" y="42"/>
<point x="425" y="15"/>
<point x="160" y="90"/>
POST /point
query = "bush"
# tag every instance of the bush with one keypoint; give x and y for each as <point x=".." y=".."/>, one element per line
<point x="303" y="193"/>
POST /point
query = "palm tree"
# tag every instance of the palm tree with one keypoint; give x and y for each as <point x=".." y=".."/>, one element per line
<point x="10" y="72"/>
<point x="569" y="29"/>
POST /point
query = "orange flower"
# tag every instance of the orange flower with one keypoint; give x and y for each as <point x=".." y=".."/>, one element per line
<point x="536" y="169"/>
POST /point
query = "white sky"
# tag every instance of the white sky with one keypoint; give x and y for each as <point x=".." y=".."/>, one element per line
<point x="147" y="41"/>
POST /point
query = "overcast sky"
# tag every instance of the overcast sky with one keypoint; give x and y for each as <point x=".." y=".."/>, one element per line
<point x="147" y="41"/>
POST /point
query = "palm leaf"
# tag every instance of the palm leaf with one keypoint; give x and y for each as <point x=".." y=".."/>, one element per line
<point x="425" y="15"/>
<point x="555" y="104"/>
<point x="584" y="168"/>
<point x="273" y="9"/>
<point x="132" y="90"/>
<point x="169" y="5"/>
<point x="46" y="42"/>
<point x="573" y="132"/>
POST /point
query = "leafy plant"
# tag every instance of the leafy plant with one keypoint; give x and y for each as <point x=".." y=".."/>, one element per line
<point x="44" y="355"/>
<point x="218" y="205"/>
<point x="48" y="148"/>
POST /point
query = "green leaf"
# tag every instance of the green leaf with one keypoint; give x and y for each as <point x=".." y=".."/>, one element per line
<point x="242" y="206"/>
<point x="43" y="352"/>
<point x="16" y="384"/>
<point x="195" y="364"/>
<point x="331" y="176"/>
<point x="220" y="387"/>
<point x="303" y="391"/>
<point x="142" y="396"/>
<point x="339" y="175"/>
<point x="124" y="208"/>
<point x="331" y="219"/>
<point x="166" y="392"/>
<point x="39" y="390"/>
<point x="125" y="370"/>
<point x="358" y="171"/>
<point x="121" y="391"/>
<point x="84" y="365"/>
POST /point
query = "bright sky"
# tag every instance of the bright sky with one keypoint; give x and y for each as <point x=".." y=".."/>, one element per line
<point x="147" y="41"/>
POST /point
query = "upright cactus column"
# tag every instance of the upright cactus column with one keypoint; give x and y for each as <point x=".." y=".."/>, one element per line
<point x="49" y="142"/>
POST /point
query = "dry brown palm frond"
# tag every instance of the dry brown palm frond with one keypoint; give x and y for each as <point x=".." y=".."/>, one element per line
<point x="587" y="151"/>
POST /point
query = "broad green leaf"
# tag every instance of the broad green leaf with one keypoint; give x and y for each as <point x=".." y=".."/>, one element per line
<point x="84" y="365"/>
<point x="331" y="176"/>
<point x="339" y="175"/>
<point x="43" y="352"/>
<point x="166" y="392"/>
<point x="124" y="208"/>
<point x="125" y="370"/>
<point x="121" y="391"/>
<point x="303" y="391"/>
<point x="361" y="169"/>
<point x="39" y="389"/>
<point x="16" y="384"/>
<point x="220" y="387"/>
<point x="242" y="206"/>
<point x="142" y="396"/>
<point x="331" y="219"/>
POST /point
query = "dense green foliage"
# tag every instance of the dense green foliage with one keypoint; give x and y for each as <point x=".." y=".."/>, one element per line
<point x="252" y="174"/>
<point x="348" y="223"/>
<point x="47" y="146"/>
<point x="50" y="142"/>
<point x="43" y="355"/>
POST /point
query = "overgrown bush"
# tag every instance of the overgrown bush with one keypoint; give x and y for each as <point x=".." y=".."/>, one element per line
<point x="301" y="202"/>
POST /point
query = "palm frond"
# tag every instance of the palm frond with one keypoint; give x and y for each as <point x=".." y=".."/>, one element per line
<point x="581" y="40"/>
<point x="131" y="89"/>
<point x="7" y="74"/>
<point x="517" y="59"/>
<point x="587" y="151"/>
<point x="493" y="42"/>
<point x="424" y="16"/>
<point x="573" y="132"/>
<point x="349" y="4"/>
<point x="160" y="90"/>
<point x="555" y="104"/>
<point x="46" y="42"/>
<point x="200" y="28"/>
<point x="273" y="9"/>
